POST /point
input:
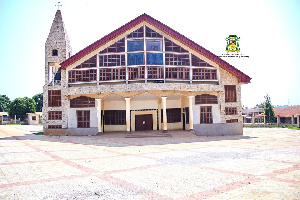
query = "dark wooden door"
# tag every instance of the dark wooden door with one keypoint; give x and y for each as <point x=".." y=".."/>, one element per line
<point x="143" y="122"/>
<point x="0" y="120"/>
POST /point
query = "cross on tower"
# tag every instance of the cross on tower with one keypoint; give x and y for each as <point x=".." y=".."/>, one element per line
<point x="58" y="4"/>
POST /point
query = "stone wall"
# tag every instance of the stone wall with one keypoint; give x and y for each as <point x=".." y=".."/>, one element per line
<point x="57" y="39"/>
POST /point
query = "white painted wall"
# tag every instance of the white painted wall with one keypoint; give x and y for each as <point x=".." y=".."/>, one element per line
<point x="173" y="103"/>
<point x="33" y="122"/>
<point x="115" y="105"/>
<point x="175" y="126"/>
<point x="72" y="118"/>
<point x="137" y="105"/>
<point x="114" y="128"/>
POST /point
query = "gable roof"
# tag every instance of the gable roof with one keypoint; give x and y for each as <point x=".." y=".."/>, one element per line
<point x="287" y="111"/>
<point x="167" y="30"/>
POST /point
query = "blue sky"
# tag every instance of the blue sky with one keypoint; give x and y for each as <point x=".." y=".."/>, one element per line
<point x="269" y="32"/>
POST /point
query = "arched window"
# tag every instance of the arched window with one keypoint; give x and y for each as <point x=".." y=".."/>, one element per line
<point x="82" y="102"/>
<point x="206" y="99"/>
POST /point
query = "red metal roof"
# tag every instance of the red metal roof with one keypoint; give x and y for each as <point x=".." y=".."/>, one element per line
<point x="167" y="30"/>
<point x="287" y="111"/>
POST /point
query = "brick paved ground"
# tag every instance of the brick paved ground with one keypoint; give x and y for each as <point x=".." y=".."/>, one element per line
<point x="262" y="164"/>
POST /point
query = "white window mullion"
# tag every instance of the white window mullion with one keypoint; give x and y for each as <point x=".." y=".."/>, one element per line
<point x="145" y="55"/>
<point x="127" y="75"/>
<point x="97" y="64"/>
<point x="164" y="55"/>
<point x="191" y="69"/>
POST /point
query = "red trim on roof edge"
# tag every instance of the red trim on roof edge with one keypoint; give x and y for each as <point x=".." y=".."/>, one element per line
<point x="144" y="17"/>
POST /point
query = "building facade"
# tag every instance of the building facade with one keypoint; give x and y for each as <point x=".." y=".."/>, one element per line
<point x="252" y="115"/>
<point x="142" y="76"/>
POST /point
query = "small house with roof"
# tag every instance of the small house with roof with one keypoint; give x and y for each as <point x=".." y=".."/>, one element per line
<point x="287" y="115"/>
<point x="3" y="118"/>
<point x="141" y="76"/>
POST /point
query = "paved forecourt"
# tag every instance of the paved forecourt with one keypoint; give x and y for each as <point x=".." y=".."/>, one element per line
<point x="262" y="164"/>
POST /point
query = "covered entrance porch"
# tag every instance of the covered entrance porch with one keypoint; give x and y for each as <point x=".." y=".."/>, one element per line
<point x="145" y="111"/>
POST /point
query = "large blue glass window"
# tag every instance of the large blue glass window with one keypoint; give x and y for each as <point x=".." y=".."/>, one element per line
<point x="154" y="59"/>
<point x="135" y="45"/>
<point x="135" y="59"/>
<point x="153" y="45"/>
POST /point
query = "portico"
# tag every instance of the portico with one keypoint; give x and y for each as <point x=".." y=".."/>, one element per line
<point x="142" y="109"/>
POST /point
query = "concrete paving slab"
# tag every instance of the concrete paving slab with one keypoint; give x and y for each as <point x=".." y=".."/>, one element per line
<point x="264" y="163"/>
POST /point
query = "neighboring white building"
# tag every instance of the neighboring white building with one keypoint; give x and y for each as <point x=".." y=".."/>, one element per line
<point x="3" y="118"/>
<point x="33" y="118"/>
<point x="142" y="76"/>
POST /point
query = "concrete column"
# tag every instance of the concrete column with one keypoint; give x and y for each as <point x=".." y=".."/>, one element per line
<point x="191" y="112"/>
<point x="164" y="105"/>
<point x="127" y="114"/>
<point x="298" y="121"/>
<point x="98" y="106"/>
<point x="159" y="114"/>
<point x="278" y="120"/>
<point x="253" y="120"/>
<point x="292" y="120"/>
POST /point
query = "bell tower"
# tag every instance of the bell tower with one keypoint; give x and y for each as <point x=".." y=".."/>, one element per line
<point x="57" y="49"/>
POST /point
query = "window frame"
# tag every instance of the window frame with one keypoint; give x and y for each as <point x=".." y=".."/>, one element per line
<point x="54" y="115"/>
<point x="232" y="120"/>
<point x="85" y="120"/>
<point x="54" y="126"/>
<point x="155" y="72"/>
<point x="54" y="98"/>
<point x="114" y="117"/>
<point x="206" y="99"/>
<point x="130" y="44"/>
<point x="173" y="115"/>
<point x="132" y="56"/>
<point x="177" y="73"/>
<point x="154" y="41"/>
<point x="206" y="116"/>
<point x="231" y="110"/>
<point x="89" y="75"/>
<point x="135" y="73"/>
<point x="82" y="102"/>
<point x="230" y="93"/>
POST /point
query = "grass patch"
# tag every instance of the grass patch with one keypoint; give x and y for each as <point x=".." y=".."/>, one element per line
<point x="261" y="127"/>
<point x="39" y="133"/>
<point x="289" y="127"/>
<point x="18" y="124"/>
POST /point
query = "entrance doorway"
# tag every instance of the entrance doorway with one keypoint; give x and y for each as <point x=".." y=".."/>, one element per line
<point x="143" y="122"/>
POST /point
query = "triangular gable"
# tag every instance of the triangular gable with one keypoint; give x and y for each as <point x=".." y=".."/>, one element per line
<point x="167" y="30"/>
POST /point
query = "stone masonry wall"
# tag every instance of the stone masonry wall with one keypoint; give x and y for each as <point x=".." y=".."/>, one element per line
<point x="59" y="40"/>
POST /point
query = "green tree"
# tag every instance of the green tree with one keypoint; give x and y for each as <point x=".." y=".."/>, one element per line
<point x="4" y="103"/>
<point x="268" y="109"/>
<point x="21" y="106"/>
<point x="261" y="105"/>
<point x="38" y="98"/>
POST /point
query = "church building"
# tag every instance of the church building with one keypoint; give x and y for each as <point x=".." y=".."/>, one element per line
<point x="142" y="76"/>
